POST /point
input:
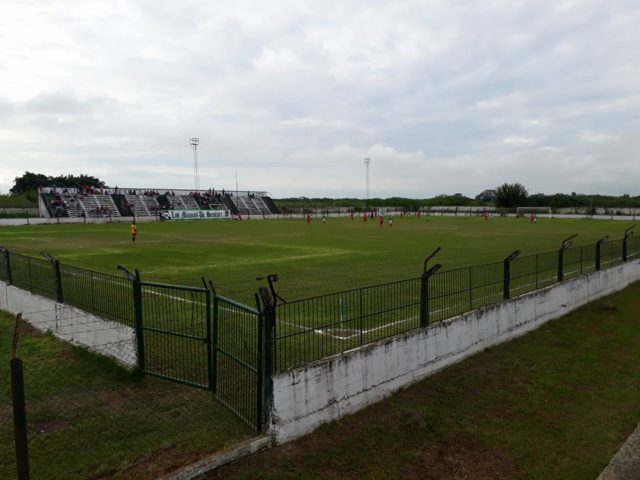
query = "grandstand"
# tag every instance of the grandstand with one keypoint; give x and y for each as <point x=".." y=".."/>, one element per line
<point x="125" y="202"/>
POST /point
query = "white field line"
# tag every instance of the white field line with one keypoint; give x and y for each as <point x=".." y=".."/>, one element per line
<point x="302" y="327"/>
<point x="357" y="332"/>
<point x="540" y="280"/>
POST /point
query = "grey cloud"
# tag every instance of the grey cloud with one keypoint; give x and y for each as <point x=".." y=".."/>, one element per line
<point x="444" y="96"/>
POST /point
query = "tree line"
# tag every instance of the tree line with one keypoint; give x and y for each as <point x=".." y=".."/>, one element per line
<point x="507" y="195"/>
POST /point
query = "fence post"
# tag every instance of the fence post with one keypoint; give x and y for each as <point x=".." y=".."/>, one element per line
<point x="7" y="264"/>
<point x="19" y="419"/>
<point x="424" y="300"/>
<point x="19" y="409"/>
<point x="211" y="373"/>
<point x="214" y="341"/>
<point x="424" y="288"/>
<point x="424" y="294"/>
<point x="137" y="312"/>
<point x="566" y="243"/>
<point x="598" y="244"/>
<point x="506" y="278"/>
<point x="259" y="368"/>
<point x="269" y="318"/>
<point x="627" y="233"/>
<point x="56" y="270"/>
<point x="55" y="265"/>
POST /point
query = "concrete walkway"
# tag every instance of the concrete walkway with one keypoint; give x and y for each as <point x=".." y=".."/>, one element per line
<point x="625" y="465"/>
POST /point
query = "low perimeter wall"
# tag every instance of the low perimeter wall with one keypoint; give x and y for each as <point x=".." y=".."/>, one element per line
<point x="304" y="398"/>
<point x="72" y="324"/>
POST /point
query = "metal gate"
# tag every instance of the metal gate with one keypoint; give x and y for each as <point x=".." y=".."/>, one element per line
<point x="238" y="359"/>
<point x="193" y="336"/>
<point x="174" y="333"/>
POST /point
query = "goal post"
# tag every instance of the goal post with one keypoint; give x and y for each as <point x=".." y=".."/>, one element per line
<point x="544" y="212"/>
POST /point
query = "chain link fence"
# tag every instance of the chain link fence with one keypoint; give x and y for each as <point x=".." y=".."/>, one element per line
<point x="89" y="417"/>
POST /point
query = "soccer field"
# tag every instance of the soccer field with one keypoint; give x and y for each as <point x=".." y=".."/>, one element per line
<point x="310" y="259"/>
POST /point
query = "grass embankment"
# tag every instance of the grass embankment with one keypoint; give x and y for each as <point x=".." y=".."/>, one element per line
<point x="311" y="259"/>
<point x="89" y="418"/>
<point x="556" y="403"/>
<point x="23" y="200"/>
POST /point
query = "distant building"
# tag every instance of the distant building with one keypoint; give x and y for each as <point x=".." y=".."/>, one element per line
<point x="487" y="196"/>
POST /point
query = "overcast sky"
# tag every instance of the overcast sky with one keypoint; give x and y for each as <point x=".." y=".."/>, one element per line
<point x="443" y="96"/>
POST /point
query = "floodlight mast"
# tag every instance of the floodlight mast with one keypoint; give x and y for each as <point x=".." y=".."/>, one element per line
<point x="194" y="142"/>
<point x="367" y="161"/>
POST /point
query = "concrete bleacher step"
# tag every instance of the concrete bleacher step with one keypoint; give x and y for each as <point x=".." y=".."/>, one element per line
<point x="241" y="205"/>
<point x="189" y="202"/>
<point x="174" y="202"/>
<point x="260" y="205"/>
<point x="151" y="203"/>
<point x="90" y="205"/>
<point x="107" y="201"/>
<point x="75" y="209"/>
<point x="137" y="205"/>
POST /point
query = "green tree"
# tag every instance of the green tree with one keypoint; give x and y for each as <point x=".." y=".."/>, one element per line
<point x="29" y="182"/>
<point x="511" y="195"/>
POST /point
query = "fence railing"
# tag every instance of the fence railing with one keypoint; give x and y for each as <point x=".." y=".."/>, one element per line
<point x="312" y="328"/>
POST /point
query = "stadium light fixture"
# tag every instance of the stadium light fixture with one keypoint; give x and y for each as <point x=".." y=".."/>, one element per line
<point x="367" y="161"/>
<point x="194" y="142"/>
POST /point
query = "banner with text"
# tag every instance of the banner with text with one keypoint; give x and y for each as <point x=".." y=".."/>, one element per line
<point x="195" y="214"/>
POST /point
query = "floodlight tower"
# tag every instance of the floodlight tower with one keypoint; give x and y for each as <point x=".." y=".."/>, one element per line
<point x="367" y="161"/>
<point x="194" y="142"/>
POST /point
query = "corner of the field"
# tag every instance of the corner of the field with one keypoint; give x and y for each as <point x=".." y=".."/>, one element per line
<point x="218" y="459"/>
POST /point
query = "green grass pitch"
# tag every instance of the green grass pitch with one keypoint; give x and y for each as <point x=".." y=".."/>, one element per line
<point x="310" y="259"/>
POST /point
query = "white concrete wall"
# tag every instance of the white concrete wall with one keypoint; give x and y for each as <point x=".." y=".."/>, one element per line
<point x="305" y="398"/>
<point x="33" y="212"/>
<point x="72" y="324"/>
<point x="12" y="222"/>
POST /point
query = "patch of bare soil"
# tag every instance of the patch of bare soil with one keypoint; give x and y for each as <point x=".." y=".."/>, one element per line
<point x="608" y="307"/>
<point x="49" y="426"/>
<point x="464" y="460"/>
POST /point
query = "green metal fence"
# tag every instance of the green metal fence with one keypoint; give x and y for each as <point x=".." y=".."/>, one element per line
<point x="237" y="347"/>
<point x="173" y="324"/>
<point x="33" y="274"/>
<point x="312" y="328"/>
<point x="195" y="337"/>
<point x="315" y="327"/>
<point x="107" y="296"/>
